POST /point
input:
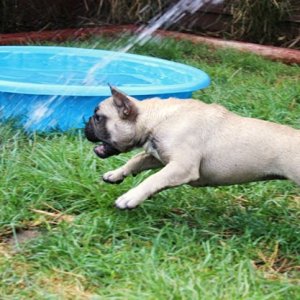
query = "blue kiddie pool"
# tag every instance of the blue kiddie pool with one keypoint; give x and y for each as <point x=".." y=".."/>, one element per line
<point x="59" y="87"/>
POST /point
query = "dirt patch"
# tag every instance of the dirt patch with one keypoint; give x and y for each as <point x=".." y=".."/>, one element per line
<point x="22" y="237"/>
<point x="12" y="239"/>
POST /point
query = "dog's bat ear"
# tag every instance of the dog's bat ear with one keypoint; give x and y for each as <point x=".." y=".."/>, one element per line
<point x="126" y="108"/>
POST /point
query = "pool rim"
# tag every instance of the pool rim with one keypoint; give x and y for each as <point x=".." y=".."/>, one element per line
<point x="103" y="90"/>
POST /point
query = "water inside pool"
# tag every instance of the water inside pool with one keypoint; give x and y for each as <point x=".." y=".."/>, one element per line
<point x="71" y="69"/>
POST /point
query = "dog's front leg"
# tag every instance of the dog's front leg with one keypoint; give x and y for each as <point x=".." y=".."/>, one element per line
<point x="135" y="165"/>
<point x="173" y="174"/>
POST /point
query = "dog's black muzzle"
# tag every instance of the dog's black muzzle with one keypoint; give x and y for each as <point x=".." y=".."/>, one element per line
<point x="105" y="149"/>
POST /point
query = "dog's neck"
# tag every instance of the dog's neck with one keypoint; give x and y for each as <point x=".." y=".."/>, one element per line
<point x="151" y="113"/>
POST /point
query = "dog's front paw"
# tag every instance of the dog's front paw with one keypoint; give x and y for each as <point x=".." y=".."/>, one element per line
<point x="129" y="200"/>
<point x="115" y="176"/>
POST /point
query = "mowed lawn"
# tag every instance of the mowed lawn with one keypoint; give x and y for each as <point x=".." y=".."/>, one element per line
<point x="62" y="238"/>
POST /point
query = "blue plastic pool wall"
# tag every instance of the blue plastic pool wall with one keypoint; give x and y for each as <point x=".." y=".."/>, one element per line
<point x="44" y="113"/>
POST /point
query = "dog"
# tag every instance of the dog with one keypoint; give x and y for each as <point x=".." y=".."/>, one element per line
<point x="192" y="142"/>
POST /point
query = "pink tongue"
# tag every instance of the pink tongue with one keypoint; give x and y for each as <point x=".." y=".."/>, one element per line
<point x="100" y="149"/>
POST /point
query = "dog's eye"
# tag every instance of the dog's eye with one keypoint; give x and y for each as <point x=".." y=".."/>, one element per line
<point x="97" y="118"/>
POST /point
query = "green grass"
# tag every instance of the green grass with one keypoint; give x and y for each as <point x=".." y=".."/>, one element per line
<point x="237" y="242"/>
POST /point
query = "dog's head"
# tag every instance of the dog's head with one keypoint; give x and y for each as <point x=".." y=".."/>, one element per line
<point x="113" y="125"/>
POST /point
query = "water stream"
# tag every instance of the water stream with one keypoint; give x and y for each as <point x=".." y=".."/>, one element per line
<point x="145" y="32"/>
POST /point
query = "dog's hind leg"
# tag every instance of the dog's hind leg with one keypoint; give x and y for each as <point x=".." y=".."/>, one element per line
<point x="292" y="169"/>
<point x="295" y="176"/>
<point x="135" y="165"/>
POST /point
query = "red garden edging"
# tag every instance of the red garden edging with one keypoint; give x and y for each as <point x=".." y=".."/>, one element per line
<point x="274" y="53"/>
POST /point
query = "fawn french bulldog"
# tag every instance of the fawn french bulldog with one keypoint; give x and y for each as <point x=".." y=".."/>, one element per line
<point x="192" y="142"/>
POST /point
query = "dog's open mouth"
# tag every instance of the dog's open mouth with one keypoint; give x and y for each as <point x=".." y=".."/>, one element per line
<point x="105" y="150"/>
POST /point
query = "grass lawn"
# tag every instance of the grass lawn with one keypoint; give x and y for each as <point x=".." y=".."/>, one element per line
<point x="63" y="239"/>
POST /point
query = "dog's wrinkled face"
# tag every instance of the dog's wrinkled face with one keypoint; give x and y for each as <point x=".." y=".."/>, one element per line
<point x="113" y="125"/>
<point x="96" y="131"/>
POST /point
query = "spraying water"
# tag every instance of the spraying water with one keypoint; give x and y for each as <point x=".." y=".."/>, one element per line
<point x="143" y="34"/>
<point x="171" y="16"/>
<point x="40" y="111"/>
